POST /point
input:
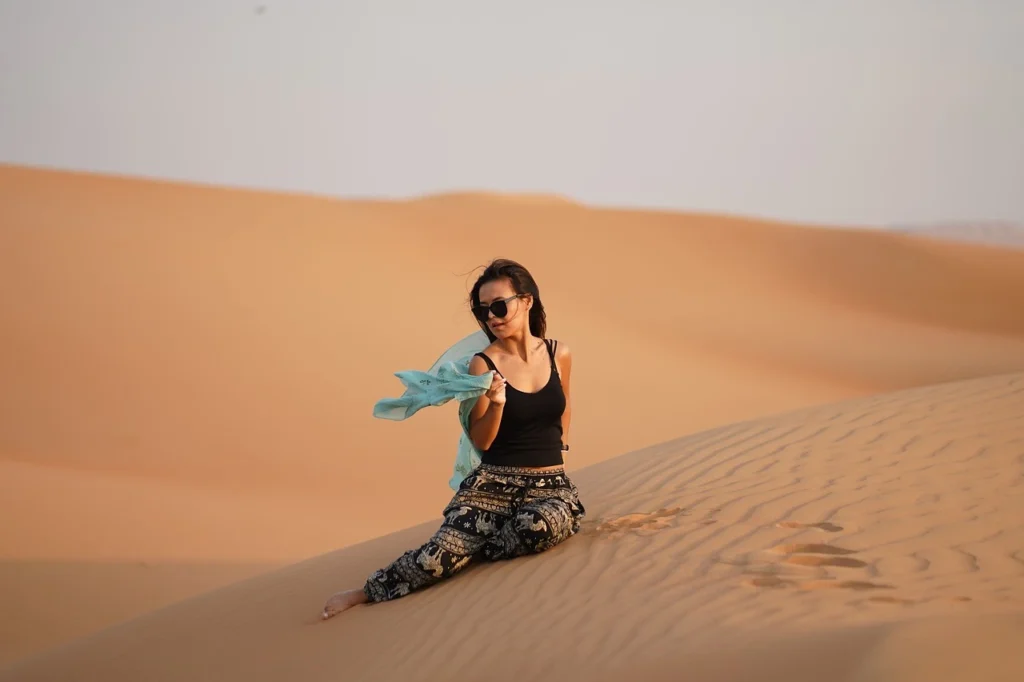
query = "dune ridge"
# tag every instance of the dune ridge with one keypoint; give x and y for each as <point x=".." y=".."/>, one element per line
<point x="866" y="478"/>
<point x="985" y="232"/>
<point x="529" y="198"/>
<point x="190" y="370"/>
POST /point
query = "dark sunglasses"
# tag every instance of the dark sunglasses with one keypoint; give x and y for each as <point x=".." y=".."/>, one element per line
<point x="499" y="308"/>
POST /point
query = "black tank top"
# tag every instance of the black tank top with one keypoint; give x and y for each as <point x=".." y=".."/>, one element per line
<point x="530" y="433"/>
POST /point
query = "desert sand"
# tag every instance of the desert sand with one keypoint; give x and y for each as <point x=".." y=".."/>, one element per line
<point x="824" y="433"/>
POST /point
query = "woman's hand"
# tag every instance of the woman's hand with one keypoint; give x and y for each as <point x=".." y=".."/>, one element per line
<point x="496" y="393"/>
<point x="485" y="415"/>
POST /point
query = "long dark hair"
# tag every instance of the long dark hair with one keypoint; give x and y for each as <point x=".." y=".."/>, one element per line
<point x="523" y="283"/>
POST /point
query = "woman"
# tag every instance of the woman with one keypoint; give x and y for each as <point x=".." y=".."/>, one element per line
<point x="519" y="500"/>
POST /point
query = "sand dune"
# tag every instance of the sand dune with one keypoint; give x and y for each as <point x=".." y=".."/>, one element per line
<point x="46" y="602"/>
<point x="998" y="234"/>
<point x="538" y="198"/>
<point x="871" y="539"/>
<point x="189" y="371"/>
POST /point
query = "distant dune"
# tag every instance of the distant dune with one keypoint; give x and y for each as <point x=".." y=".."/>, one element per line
<point x="189" y="375"/>
<point x="532" y="198"/>
<point x="996" y="234"/>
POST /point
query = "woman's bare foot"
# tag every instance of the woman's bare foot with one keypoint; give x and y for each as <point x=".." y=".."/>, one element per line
<point x="342" y="601"/>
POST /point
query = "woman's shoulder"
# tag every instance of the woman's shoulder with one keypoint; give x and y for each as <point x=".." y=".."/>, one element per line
<point x="478" y="364"/>
<point x="561" y="349"/>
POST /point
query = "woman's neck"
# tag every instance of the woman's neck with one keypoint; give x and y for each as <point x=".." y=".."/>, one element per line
<point x="519" y="344"/>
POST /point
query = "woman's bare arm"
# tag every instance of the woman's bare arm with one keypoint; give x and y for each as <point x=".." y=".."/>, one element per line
<point x="485" y="417"/>
<point x="563" y="358"/>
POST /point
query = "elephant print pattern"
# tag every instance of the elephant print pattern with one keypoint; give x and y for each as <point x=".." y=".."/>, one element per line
<point x="498" y="513"/>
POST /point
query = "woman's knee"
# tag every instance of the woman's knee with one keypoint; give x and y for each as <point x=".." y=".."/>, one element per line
<point x="543" y="526"/>
<point x="414" y="570"/>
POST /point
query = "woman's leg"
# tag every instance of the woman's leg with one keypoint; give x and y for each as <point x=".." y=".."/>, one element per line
<point x="494" y="515"/>
<point x="480" y="508"/>
<point x="465" y="530"/>
<point x="545" y="518"/>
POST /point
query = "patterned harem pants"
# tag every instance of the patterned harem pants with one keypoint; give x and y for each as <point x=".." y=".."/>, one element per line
<point x="498" y="513"/>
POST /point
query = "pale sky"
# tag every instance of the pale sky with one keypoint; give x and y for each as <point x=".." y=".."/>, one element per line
<point x="842" y="111"/>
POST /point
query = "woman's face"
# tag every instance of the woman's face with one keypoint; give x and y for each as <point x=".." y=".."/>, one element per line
<point x="518" y="317"/>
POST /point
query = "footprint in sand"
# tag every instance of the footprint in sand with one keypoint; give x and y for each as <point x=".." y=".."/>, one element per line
<point x="819" y="555"/>
<point x="811" y="548"/>
<point x="642" y="523"/>
<point x="892" y="600"/>
<point x="775" y="582"/>
<point x="858" y="585"/>
<point x="769" y="581"/>
<point x="838" y="561"/>
<point x="811" y="555"/>
<point x="824" y="526"/>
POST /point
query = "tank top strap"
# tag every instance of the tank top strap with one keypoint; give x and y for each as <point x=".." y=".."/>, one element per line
<point x="552" y="347"/>
<point x="490" y="364"/>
